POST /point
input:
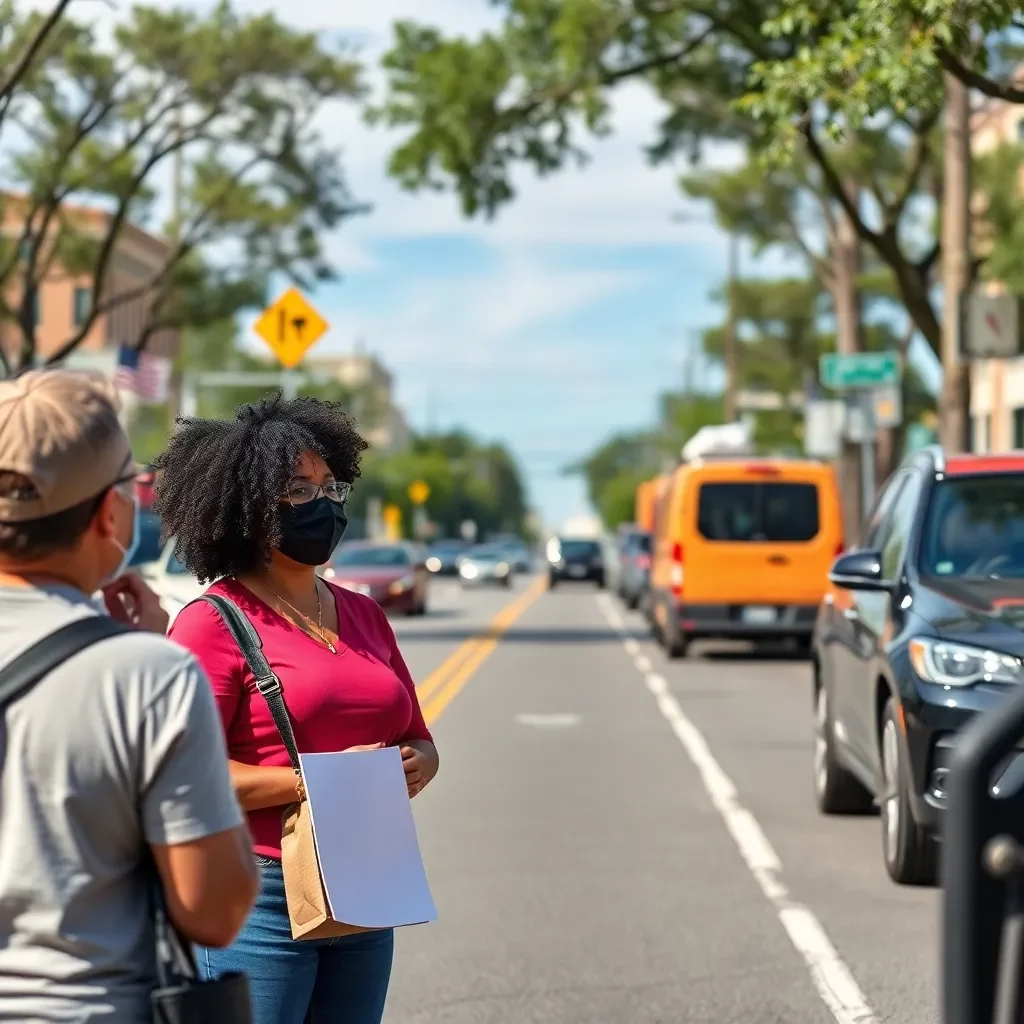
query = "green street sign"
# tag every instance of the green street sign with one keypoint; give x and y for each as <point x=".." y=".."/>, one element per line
<point x="862" y="370"/>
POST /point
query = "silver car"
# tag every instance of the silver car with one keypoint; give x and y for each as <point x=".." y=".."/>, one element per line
<point x="487" y="563"/>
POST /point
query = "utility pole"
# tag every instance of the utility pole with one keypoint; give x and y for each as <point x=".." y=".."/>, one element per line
<point x="954" y="402"/>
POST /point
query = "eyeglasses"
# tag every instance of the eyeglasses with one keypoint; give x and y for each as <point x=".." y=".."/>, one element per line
<point x="302" y="492"/>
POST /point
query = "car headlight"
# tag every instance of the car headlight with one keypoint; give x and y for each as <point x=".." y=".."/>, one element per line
<point x="501" y="569"/>
<point x="950" y="664"/>
<point x="468" y="571"/>
<point x="434" y="564"/>
<point x="402" y="585"/>
<point x="554" y="551"/>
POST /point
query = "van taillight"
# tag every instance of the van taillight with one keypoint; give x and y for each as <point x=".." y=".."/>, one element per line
<point x="677" y="570"/>
<point x="643" y="561"/>
<point x="840" y="548"/>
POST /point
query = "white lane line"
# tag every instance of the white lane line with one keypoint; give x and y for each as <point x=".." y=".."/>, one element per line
<point x="829" y="973"/>
<point x="632" y="647"/>
<point x="643" y="663"/>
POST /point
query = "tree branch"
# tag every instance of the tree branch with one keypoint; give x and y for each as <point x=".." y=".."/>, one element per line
<point x="918" y="159"/>
<point x="977" y="81"/>
<point x="28" y="55"/>
<point x="836" y="187"/>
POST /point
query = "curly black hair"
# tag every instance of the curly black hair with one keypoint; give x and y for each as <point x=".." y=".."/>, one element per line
<point x="219" y="483"/>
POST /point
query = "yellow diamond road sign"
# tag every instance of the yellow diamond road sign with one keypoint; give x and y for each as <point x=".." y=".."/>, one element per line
<point x="291" y="326"/>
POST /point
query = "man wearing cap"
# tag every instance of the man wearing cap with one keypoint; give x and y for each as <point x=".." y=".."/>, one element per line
<point x="116" y="755"/>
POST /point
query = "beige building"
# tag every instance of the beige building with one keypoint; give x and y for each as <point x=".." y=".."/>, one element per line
<point x="63" y="299"/>
<point x="997" y="385"/>
<point x="382" y="422"/>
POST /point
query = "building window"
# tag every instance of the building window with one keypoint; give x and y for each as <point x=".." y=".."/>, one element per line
<point x="81" y="305"/>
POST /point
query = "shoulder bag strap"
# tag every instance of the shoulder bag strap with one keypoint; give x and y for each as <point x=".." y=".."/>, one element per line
<point x="33" y="665"/>
<point x="267" y="682"/>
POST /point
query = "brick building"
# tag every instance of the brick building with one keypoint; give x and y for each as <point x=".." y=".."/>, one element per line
<point x="62" y="303"/>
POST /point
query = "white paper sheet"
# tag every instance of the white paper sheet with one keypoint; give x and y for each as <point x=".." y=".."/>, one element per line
<point x="366" y="838"/>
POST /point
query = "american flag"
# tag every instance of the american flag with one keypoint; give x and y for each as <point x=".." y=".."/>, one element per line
<point x="145" y="374"/>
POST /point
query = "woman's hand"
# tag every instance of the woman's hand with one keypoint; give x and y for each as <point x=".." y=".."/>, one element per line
<point x="419" y="759"/>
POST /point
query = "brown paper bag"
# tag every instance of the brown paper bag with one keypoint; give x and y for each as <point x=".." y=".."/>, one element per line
<point x="308" y="911"/>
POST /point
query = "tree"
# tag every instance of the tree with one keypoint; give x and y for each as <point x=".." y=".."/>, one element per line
<point x="524" y="95"/>
<point x="873" y="55"/>
<point x="467" y="480"/>
<point x="234" y="99"/>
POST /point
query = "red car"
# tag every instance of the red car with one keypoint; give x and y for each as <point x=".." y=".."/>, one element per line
<point x="394" y="575"/>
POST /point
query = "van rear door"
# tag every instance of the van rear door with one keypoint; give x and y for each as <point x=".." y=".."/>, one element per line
<point x="758" y="539"/>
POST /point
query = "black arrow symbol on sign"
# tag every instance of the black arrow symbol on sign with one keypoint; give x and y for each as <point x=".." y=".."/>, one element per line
<point x="298" y="322"/>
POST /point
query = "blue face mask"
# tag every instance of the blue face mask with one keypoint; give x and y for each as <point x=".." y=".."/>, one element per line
<point x="128" y="553"/>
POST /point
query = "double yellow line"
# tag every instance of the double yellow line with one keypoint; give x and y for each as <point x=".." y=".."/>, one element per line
<point x="444" y="684"/>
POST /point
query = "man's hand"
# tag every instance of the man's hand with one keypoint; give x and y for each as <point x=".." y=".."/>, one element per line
<point x="131" y="601"/>
<point x="419" y="769"/>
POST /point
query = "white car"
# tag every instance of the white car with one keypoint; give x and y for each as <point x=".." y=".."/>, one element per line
<point x="173" y="583"/>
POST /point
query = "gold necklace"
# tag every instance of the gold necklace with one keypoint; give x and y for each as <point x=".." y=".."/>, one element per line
<point x="319" y="613"/>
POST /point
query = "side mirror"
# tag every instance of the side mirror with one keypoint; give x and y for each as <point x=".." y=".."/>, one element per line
<point x="858" y="570"/>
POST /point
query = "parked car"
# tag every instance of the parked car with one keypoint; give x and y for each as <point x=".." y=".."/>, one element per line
<point x="394" y="575"/>
<point x="443" y="557"/>
<point x="577" y="559"/>
<point x="173" y="583"/>
<point x="634" y="567"/>
<point x="486" y="564"/>
<point x="922" y="629"/>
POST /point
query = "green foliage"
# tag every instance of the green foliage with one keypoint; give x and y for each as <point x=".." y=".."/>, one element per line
<point x="234" y="97"/>
<point x="864" y="57"/>
<point x="531" y="92"/>
<point x="467" y="480"/>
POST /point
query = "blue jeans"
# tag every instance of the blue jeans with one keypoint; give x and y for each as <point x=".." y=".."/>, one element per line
<point x="320" y="981"/>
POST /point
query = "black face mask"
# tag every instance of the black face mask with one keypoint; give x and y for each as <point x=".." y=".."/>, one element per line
<point x="310" y="532"/>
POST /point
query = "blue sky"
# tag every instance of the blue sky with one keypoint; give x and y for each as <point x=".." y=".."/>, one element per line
<point x="548" y="329"/>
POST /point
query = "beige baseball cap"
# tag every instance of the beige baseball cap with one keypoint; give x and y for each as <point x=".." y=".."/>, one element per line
<point x="60" y="430"/>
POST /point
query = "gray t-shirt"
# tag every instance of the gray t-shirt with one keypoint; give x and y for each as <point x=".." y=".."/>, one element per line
<point x="119" y="747"/>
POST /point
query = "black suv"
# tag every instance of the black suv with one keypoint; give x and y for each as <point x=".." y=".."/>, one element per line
<point x="921" y="630"/>
<point x="572" y="559"/>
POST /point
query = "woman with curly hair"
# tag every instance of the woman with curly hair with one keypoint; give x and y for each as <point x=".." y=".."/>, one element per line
<point x="255" y="505"/>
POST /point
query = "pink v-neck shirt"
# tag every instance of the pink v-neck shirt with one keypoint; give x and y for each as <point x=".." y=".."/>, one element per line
<point x="363" y="694"/>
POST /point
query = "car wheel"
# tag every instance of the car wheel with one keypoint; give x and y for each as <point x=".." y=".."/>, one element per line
<point x="836" y="790"/>
<point x="675" y="642"/>
<point x="552" y="583"/>
<point x="911" y="854"/>
<point x="632" y="601"/>
<point x="600" y="583"/>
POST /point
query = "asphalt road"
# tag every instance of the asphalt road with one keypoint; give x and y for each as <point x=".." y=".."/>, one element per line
<point x="614" y="839"/>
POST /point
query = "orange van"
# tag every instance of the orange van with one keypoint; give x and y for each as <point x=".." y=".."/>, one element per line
<point x="742" y="548"/>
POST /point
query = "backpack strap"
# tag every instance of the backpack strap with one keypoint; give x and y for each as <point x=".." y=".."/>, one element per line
<point x="33" y="665"/>
<point x="267" y="682"/>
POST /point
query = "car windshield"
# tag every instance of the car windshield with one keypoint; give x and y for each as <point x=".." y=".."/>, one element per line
<point x="580" y="549"/>
<point x="489" y="551"/>
<point x="447" y="547"/>
<point x="974" y="527"/>
<point x="149" y="539"/>
<point x="371" y="556"/>
<point x="639" y="544"/>
<point x="776" y="513"/>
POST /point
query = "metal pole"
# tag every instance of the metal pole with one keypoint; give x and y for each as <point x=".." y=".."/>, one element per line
<point x="867" y="452"/>
<point x="290" y="385"/>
